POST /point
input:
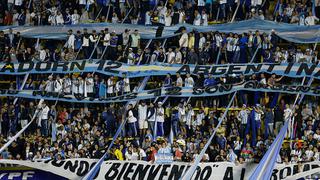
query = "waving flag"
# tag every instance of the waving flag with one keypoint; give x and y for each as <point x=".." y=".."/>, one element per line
<point x="264" y="169"/>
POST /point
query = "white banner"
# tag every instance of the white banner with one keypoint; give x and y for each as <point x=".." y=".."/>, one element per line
<point x="77" y="168"/>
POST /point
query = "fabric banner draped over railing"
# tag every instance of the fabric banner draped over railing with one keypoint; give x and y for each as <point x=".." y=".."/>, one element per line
<point x="76" y="169"/>
<point x="216" y="90"/>
<point x="291" y="32"/>
<point x="112" y="68"/>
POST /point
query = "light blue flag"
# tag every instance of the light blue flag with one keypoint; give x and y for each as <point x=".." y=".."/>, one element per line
<point x="265" y="168"/>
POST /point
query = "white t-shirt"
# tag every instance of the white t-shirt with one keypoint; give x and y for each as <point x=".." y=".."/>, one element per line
<point x="181" y="17"/>
<point x="45" y="113"/>
<point x="189" y="82"/>
<point x="257" y="116"/>
<point x="204" y="19"/>
<point x="142" y="110"/>
<point x="160" y="118"/>
<point x="131" y="118"/>
<point x="85" y="41"/>
<point x="202" y="42"/>
<point x="81" y="86"/>
<point x="107" y="39"/>
<point x="201" y="3"/>
<point x="89" y="85"/>
<point x="190" y="114"/>
<point x="199" y="118"/>
<point x="256" y="2"/>
<point x="223" y="1"/>
<point x="229" y="44"/>
<point x="170" y="57"/>
<point x="49" y="86"/>
<point x="70" y="42"/>
<point x="110" y="86"/>
<point x="57" y="85"/>
<point x="287" y="113"/>
<point x="18" y="2"/>
<point x="178" y="59"/>
<point x="67" y="85"/>
<point x="310" y="20"/>
<point x="167" y="20"/>
<point x="135" y="40"/>
<point x="75" y="86"/>
<point x="82" y="2"/>
<point x="59" y="19"/>
<point x="75" y="18"/>
<point x="152" y="118"/>
<point x="179" y="82"/>
<point x="197" y="20"/>
<point x="182" y="114"/>
<point x="183" y="41"/>
<point x="126" y="85"/>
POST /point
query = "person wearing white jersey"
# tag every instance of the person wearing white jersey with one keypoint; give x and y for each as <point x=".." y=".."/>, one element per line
<point x="126" y="85"/>
<point x="49" y="87"/>
<point x="81" y="86"/>
<point x="44" y="117"/>
<point x="67" y="84"/>
<point x="183" y="41"/>
<point x="182" y="117"/>
<point x="89" y="84"/>
<point x="311" y="19"/>
<point x="58" y="85"/>
<point x="190" y="118"/>
<point x="243" y="116"/>
<point x="132" y="120"/>
<point x="75" y="86"/>
<point x="189" y="82"/>
<point x="75" y="17"/>
<point x="160" y="120"/>
<point x="71" y="40"/>
<point x="257" y="117"/>
<point x="143" y="123"/>
<point x="110" y="86"/>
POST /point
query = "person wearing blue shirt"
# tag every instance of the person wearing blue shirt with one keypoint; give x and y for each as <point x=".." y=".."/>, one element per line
<point x="174" y="121"/>
<point x="102" y="89"/>
<point x="243" y="45"/>
<point x="78" y="41"/>
<point x="209" y="81"/>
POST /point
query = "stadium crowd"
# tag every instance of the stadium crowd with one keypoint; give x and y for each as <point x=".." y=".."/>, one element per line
<point x="170" y="12"/>
<point x="129" y="48"/>
<point x="178" y="126"/>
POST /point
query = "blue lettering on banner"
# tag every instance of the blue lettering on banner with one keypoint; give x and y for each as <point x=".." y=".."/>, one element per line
<point x="215" y="90"/>
<point x="32" y="174"/>
<point x="159" y="69"/>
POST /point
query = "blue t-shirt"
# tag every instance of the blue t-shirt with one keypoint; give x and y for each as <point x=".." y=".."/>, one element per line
<point x="209" y="82"/>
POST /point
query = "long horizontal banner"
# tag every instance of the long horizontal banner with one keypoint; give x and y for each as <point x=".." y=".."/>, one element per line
<point x="118" y="69"/>
<point x="32" y="174"/>
<point x="77" y="168"/>
<point x="216" y="90"/>
<point x="290" y="32"/>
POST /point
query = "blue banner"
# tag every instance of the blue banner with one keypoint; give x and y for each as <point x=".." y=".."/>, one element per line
<point x="216" y="90"/>
<point x="290" y="32"/>
<point x="112" y="68"/>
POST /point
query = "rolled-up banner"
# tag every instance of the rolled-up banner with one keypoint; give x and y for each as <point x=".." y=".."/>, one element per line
<point x="215" y="90"/>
